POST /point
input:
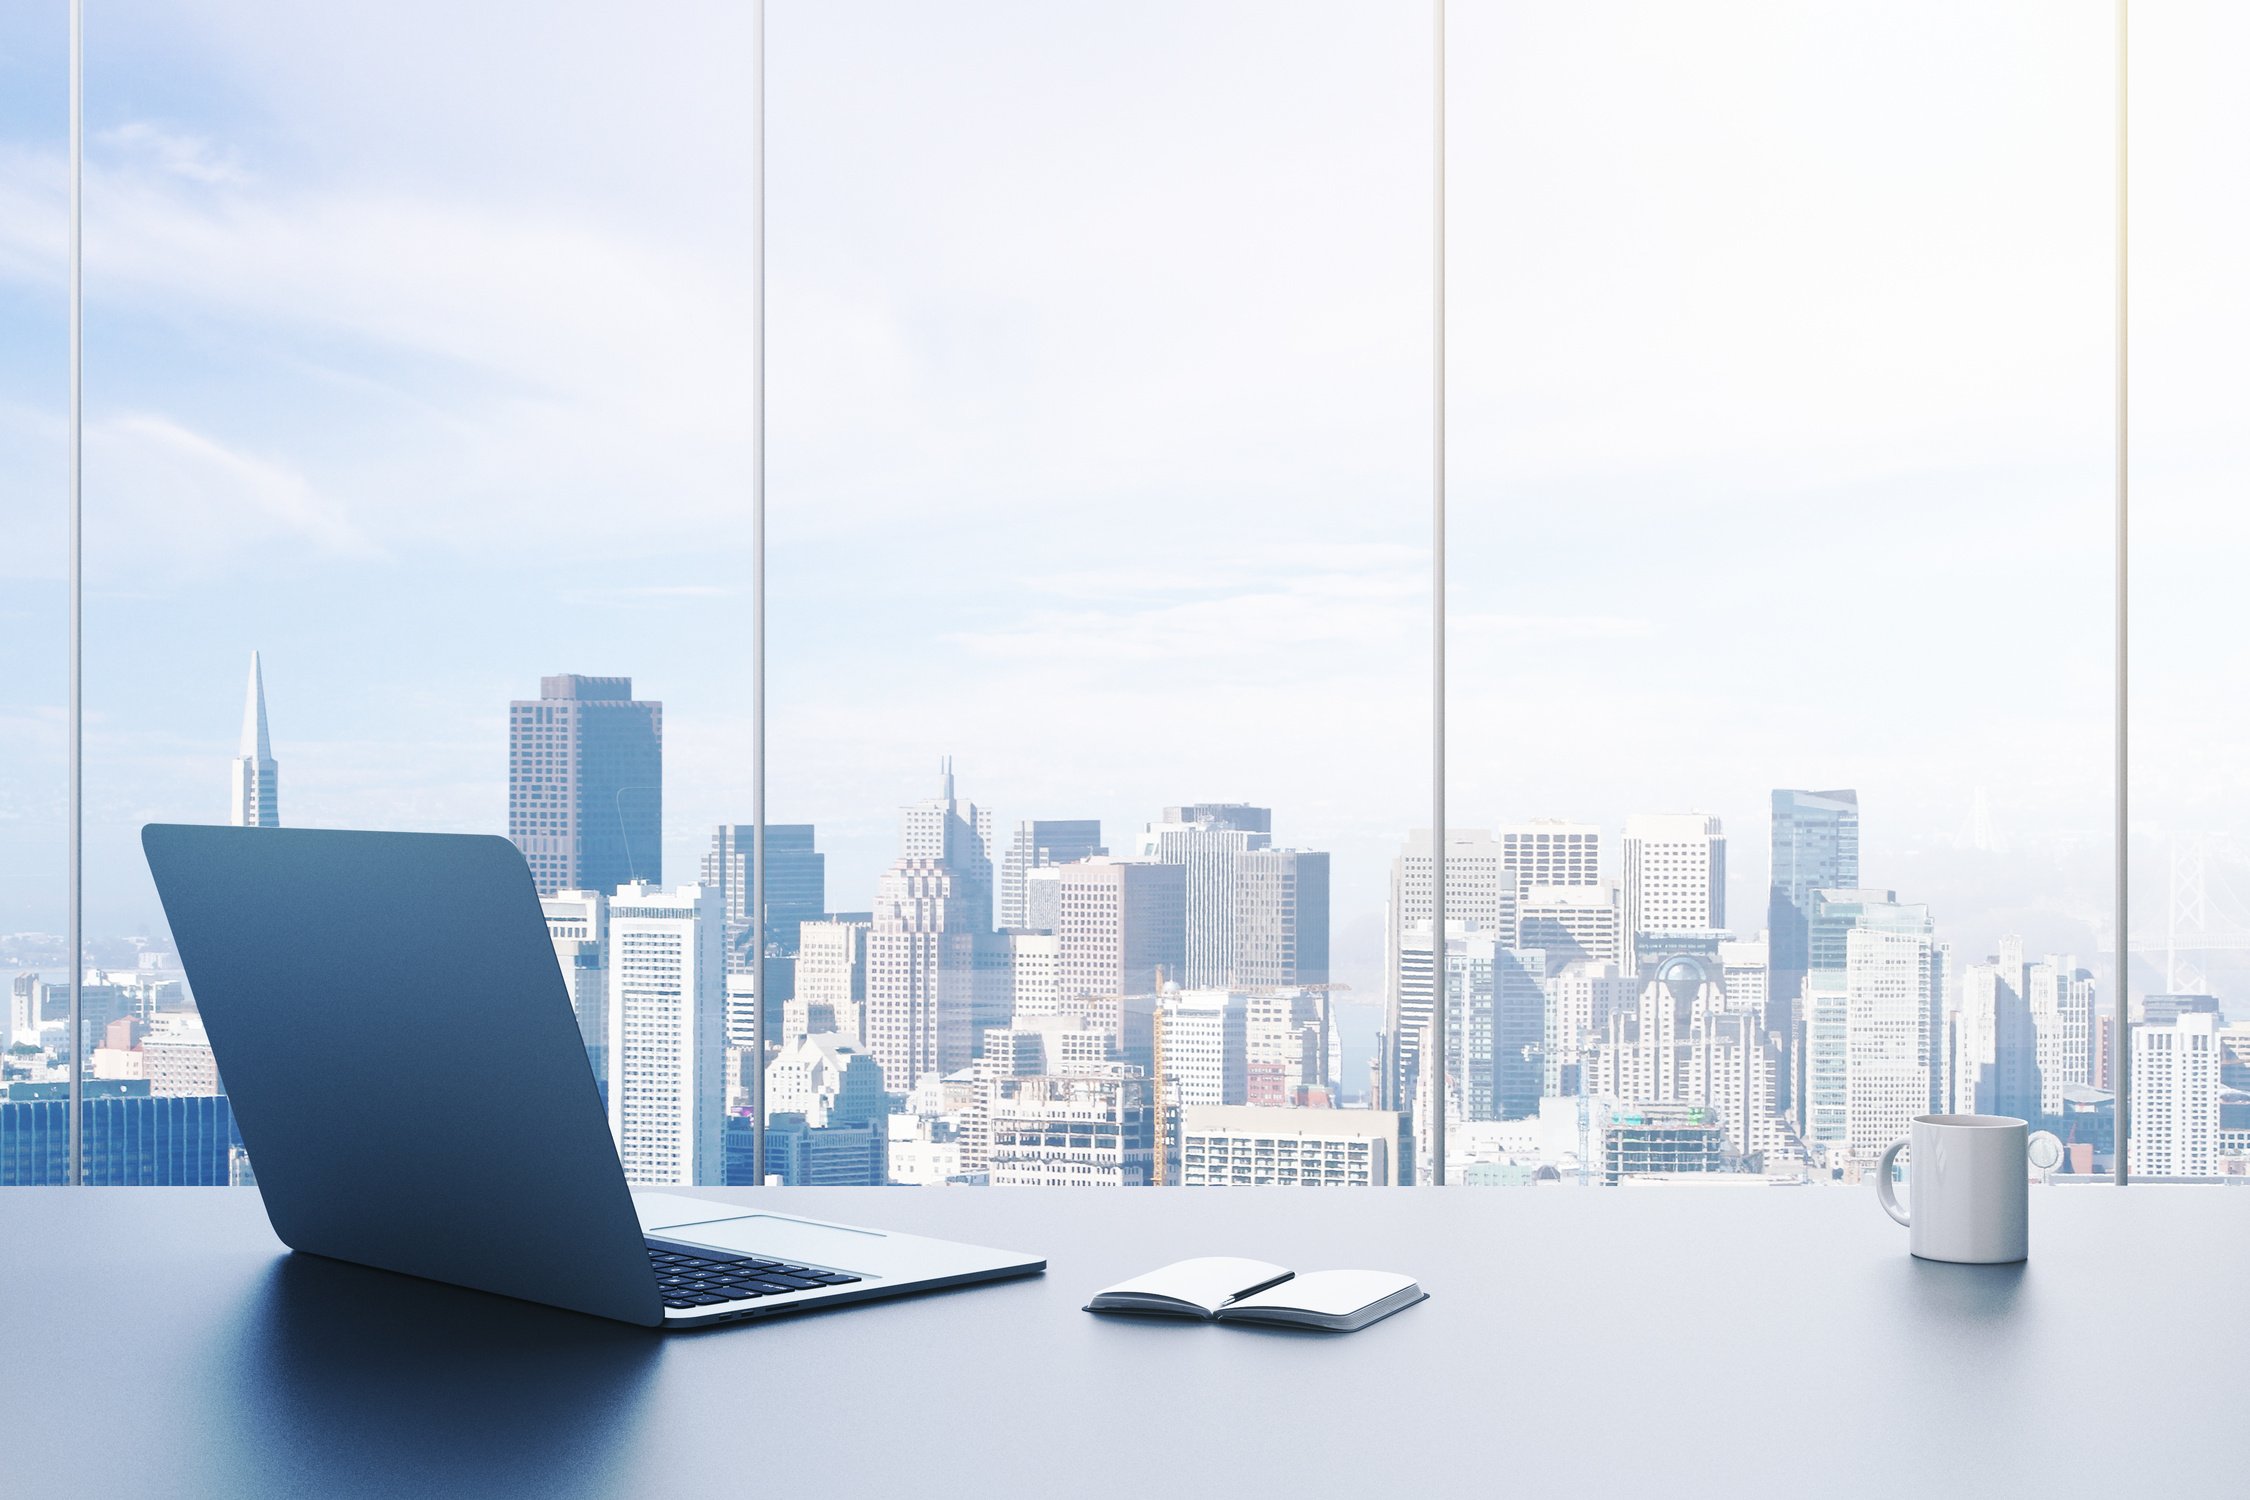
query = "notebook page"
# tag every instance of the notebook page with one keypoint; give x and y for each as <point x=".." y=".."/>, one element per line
<point x="1205" y="1282"/>
<point x="1331" y="1293"/>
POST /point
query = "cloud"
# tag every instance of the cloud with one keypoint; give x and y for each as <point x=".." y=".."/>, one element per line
<point x="177" y="153"/>
<point x="154" y="485"/>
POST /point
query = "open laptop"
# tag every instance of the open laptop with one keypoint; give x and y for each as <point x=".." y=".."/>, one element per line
<point x="408" y="1077"/>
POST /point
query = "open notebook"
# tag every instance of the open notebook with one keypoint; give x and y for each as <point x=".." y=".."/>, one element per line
<point x="1225" y="1289"/>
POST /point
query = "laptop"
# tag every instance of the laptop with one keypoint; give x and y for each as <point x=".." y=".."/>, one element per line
<point x="408" y="1077"/>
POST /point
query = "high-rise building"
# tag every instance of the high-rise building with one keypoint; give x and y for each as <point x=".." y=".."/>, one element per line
<point x="957" y="835"/>
<point x="796" y="885"/>
<point x="178" y="1059"/>
<point x="578" y="926"/>
<point x="2175" y="1082"/>
<point x="1745" y="972"/>
<point x="1571" y="924"/>
<point x="1410" y="1007"/>
<point x="1497" y="1019"/>
<point x="1238" y="1146"/>
<point x="800" y="1154"/>
<point x="667" y="1032"/>
<point x="257" y="779"/>
<point x="937" y="973"/>
<point x="2059" y="998"/>
<point x="1035" y="975"/>
<point x="828" y="1081"/>
<point x="24" y="997"/>
<point x="1995" y="1040"/>
<point x="1480" y="896"/>
<point x="1580" y="1000"/>
<point x="1285" y="1047"/>
<point x="1873" y="1022"/>
<point x="586" y="784"/>
<point x="1208" y="841"/>
<point x="1684" y="1042"/>
<point x="1551" y="852"/>
<point x="1035" y="844"/>
<point x="1204" y="1038"/>
<point x="1280" y="919"/>
<point x="1042" y="898"/>
<point x="1815" y="848"/>
<point x="132" y="1137"/>
<point x="1240" y="816"/>
<point x="1675" y="875"/>
<point x="832" y="971"/>
<point x="1122" y="924"/>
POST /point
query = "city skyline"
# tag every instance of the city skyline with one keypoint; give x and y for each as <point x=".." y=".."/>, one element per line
<point x="1665" y="1021"/>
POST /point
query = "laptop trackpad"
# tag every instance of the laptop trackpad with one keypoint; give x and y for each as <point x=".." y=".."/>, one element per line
<point x="698" y="1222"/>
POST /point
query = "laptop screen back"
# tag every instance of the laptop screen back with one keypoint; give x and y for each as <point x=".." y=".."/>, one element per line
<point x="391" y="1026"/>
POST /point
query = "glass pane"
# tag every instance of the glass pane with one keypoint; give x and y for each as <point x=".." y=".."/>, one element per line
<point x="418" y="457"/>
<point x="1780" y="551"/>
<point x="1100" y="559"/>
<point x="2190" y="1062"/>
<point x="35" y="961"/>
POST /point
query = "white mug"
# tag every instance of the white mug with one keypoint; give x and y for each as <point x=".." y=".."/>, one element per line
<point x="1968" y="1188"/>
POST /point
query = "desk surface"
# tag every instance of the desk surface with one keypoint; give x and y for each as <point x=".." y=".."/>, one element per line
<point x="1667" y="1341"/>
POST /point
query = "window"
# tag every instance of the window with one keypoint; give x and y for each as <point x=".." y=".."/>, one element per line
<point x="418" y="420"/>
<point x="2190" y="1047"/>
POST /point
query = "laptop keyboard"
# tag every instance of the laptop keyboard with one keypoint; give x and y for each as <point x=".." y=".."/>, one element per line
<point x="695" y="1276"/>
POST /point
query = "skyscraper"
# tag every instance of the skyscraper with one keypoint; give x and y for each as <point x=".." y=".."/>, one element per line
<point x="796" y="885"/>
<point x="1497" y="1020"/>
<point x="832" y="971"/>
<point x="2059" y="997"/>
<point x="937" y="974"/>
<point x="2022" y="1033"/>
<point x="586" y="784"/>
<point x="1551" y="852"/>
<point x="1480" y="898"/>
<point x="2175" y="1083"/>
<point x="937" y="978"/>
<point x="1285" y="1044"/>
<point x="257" y="778"/>
<point x="1571" y="923"/>
<point x="1580" y="1000"/>
<point x="1675" y="875"/>
<point x="578" y="926"/>
<point x="1873" y="1022"/>
<point x="1204" y="1039"/>
<point x="1995" y="1047"/>
<point x="1684" y="1041"/>
<point x="1123" y="923"/>
<point x="1815" y="848"/>
<point x="667" y="1033"/>
<point x="1280" y="919"/>
<point x="1208" y="840"/>
<point x="958" y="835"/>
<point x="1035" y="844"/>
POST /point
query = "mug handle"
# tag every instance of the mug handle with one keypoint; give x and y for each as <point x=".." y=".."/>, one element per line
<point x="1883" y="1194"/>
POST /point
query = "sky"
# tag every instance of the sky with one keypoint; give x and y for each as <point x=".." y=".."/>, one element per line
<point x="1780" y="441"/>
